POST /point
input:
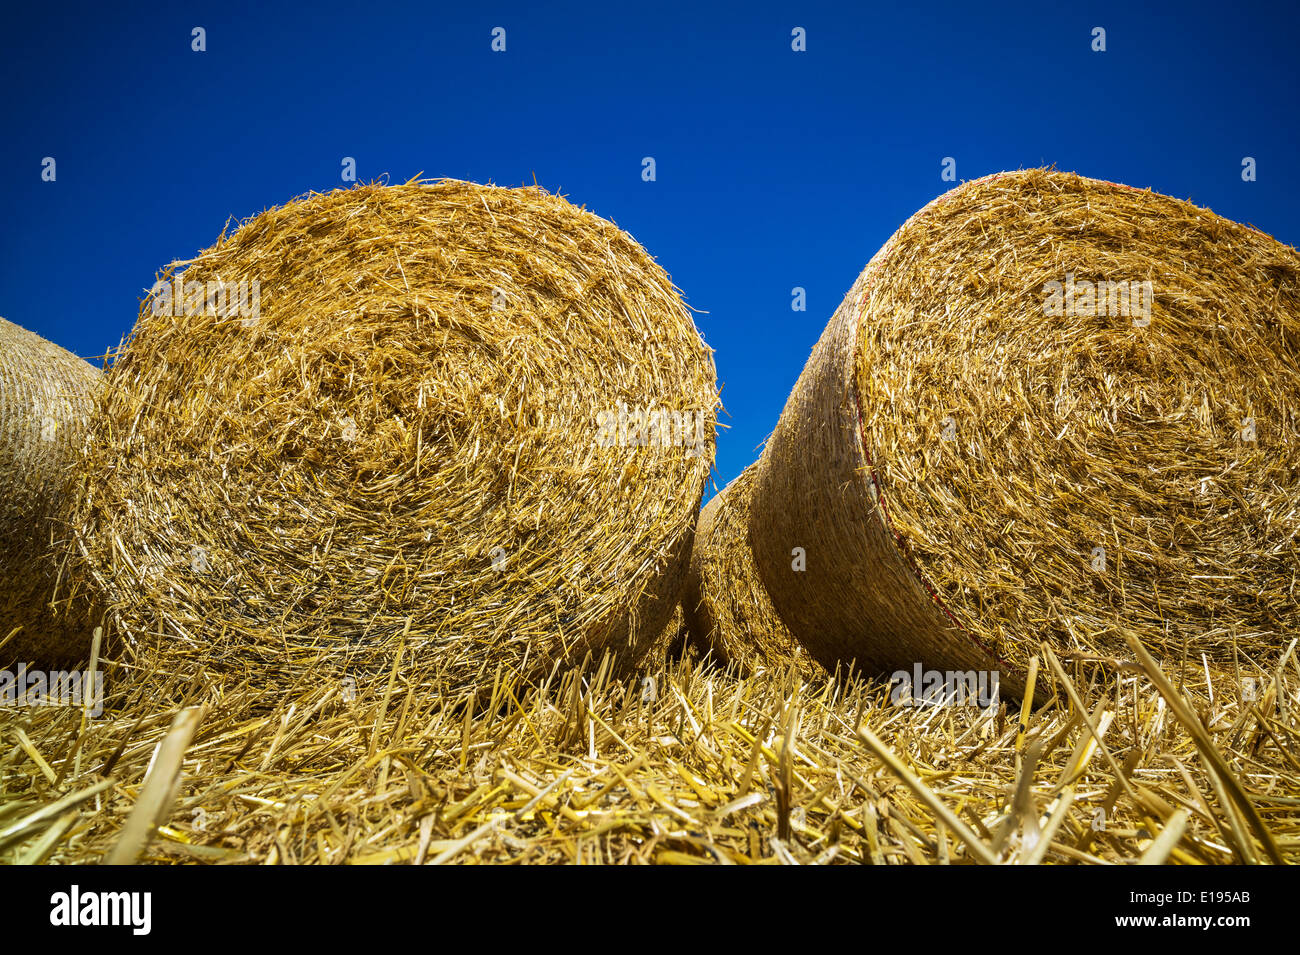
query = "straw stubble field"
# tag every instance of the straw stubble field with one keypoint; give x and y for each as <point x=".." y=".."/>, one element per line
<point x="686" y="763"/>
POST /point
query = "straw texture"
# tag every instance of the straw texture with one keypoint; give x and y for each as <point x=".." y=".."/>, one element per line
<point x="976" y="460"/>
<point x="671" y="643"/>
<point x="437" y="436"/>
<point x="47" y="395"/>
<point x="685" y="764"/>
<point x="727" y="607"/>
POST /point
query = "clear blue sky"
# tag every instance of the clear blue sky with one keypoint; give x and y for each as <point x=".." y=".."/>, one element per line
<point x="775" y="168"/>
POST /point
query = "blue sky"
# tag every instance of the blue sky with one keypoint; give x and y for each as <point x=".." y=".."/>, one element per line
<point x="775" y="168"/>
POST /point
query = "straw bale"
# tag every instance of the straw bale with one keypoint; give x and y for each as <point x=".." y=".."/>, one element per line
<point x="467" y="421"/>
<point x="47" y="395"/>
<point x="671" y="643"/>
<point x="727" y="608"/>
<point x="975" y="459"/>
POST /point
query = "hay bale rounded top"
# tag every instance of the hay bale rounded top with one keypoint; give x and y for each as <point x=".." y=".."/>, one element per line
<point x="1050" y="408"/>
<point x="470" y="420"/>
<point x="47" y="395"/>
<point x="726" y="606"/>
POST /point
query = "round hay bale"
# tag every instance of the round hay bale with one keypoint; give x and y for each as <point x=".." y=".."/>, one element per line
<point x="671" y="643"/>
<point x="47" y="396"/>
<point x="472" y="421"/>
<point x="726" y="605"/>
<point x="988" y="448"/>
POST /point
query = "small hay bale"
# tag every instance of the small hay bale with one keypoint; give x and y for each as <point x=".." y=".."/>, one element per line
<point x="988" y="448"/>
<point x="47" y="396"/>
<point x="470" y="421"/>
<point x="727" y="607"/>
<point x="671" y="643"/>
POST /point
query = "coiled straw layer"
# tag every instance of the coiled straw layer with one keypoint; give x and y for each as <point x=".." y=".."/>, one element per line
<point x="47" y="395"/>
<point x="467" y="423"/>
<point x="1050" y="409"/>
<point x="726" y="605"/>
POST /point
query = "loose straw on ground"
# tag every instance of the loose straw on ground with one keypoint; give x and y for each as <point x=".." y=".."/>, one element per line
<point x="709" y="767"/>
